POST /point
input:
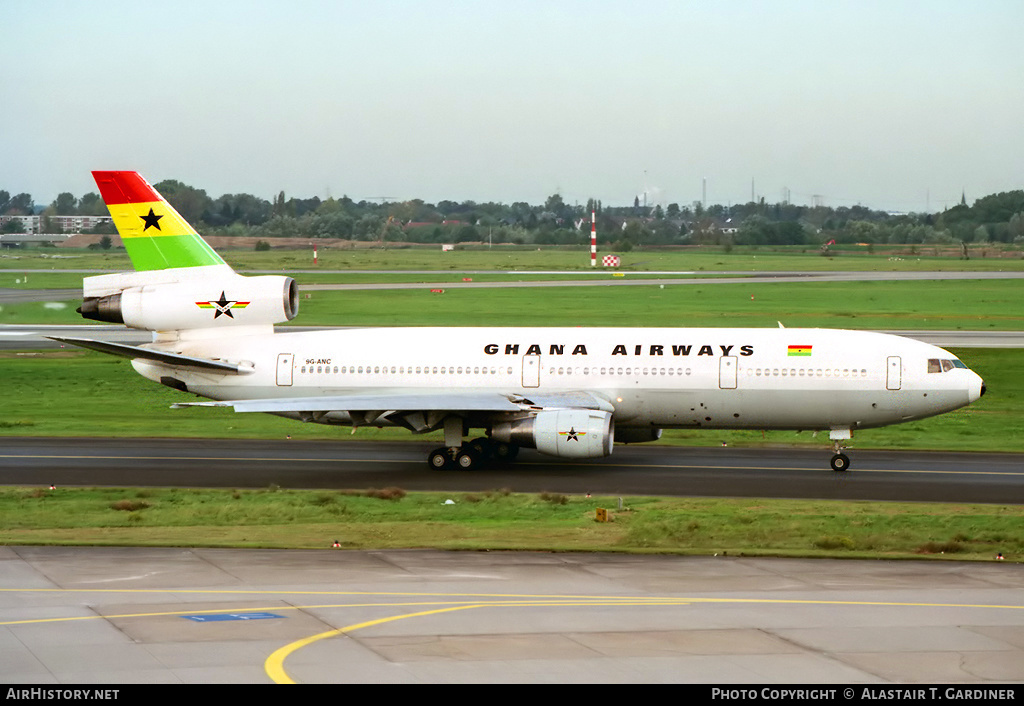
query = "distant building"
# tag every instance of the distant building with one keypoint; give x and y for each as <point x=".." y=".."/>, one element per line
<point x="76" y="224"/>
<point x="67" y="224"/>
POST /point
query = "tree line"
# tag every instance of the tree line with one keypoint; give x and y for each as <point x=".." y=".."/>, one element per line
<point x="993" y="218"/>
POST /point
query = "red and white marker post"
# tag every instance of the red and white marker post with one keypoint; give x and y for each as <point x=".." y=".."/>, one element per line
<point x="593" y="240"/>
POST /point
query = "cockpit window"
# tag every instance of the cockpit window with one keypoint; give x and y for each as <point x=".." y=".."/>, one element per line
<point x="943" y="366"/>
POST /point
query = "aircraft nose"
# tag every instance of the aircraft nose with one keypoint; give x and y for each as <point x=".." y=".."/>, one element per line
<point x="976" y="389"/>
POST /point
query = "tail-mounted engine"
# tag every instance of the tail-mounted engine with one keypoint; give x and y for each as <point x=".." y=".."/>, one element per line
<point x="196" y="304"/>
<point x="569" y="433"/>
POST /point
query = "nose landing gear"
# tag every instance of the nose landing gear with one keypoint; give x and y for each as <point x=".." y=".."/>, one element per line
<point x="840" y="461"/>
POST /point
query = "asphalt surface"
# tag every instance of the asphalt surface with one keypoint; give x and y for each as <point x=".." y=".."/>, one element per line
<point x="120" y="615"/>
<point x="654" y="469"/>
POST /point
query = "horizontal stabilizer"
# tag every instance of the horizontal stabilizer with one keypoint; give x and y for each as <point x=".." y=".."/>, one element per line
<point x="135" y="352"/>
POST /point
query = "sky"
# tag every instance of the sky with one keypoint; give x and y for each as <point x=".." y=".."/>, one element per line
<point x="895" y="105"/>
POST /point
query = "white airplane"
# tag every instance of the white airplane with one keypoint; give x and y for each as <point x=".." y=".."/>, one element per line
<point x="567" y="392"/>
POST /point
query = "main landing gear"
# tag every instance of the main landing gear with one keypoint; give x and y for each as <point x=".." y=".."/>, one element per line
<point x="476" y="454"/>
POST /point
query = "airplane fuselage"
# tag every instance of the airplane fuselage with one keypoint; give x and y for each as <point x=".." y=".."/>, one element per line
<point x="652" y="377"/>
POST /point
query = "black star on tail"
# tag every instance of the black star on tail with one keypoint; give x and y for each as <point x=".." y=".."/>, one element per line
<point x="152" y="220"/>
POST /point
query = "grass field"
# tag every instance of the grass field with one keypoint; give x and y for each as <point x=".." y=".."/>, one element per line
<point x="977" y="304"/>
<point x="973" y="304"/>
<point x="898" y="258"/>
<point x="498" y="520"/>
<point x="967" y="305"/>
<point x="80" y="393"/>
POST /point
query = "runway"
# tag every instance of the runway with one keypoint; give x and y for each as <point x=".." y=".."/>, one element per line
<point x="79" y="615"/>
<point x="654" y="469"/>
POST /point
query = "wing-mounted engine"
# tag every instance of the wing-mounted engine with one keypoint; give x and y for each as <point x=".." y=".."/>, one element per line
<point x="568" y="433"/>
<point x="195" y="303"/>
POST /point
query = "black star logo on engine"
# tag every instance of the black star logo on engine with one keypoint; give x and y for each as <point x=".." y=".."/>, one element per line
<point x="152" y="220"/>
<point x="223" y="306"/>
<point x="572" y="434"/>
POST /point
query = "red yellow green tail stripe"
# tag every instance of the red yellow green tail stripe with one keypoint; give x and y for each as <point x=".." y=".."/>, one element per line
<point x="154" y="234"/>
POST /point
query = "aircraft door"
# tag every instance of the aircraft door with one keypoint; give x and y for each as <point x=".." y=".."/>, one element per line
<point x="531" y="370"/>
<point x="894" y="373"/>
<point x="727" y="372"/>
<point x="284" y="369"/>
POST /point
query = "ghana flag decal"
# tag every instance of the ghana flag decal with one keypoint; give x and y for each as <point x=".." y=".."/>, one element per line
<point x="154" y="234"/>
<point x="800" y="350"/>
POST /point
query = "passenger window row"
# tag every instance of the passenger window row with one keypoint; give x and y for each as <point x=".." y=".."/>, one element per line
<point x="400" y="370"/>
<point x="619" y="371"/>
<point x="807" y="372"/>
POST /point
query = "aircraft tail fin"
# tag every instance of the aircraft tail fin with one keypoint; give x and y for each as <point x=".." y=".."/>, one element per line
<point x="154" y="234"/>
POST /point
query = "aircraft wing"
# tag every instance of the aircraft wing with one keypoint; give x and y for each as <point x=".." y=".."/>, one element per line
<point x="478" y="402"/>
<point x="421" y="401"/>
<point x="125" y="351"/>
<point x="416" y="410"/>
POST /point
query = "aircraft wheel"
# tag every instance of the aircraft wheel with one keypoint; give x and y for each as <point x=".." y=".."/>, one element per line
<point x="483" y="447"/>
<point x="504" y="452"/>
<point x="439" y="459"/>
<point x="467" y="460"/>
<point x="840" y="462"/>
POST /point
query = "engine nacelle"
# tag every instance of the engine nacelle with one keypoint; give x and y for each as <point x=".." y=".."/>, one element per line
<point x="568" y="433"/>
<point x="175" y="306"/>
